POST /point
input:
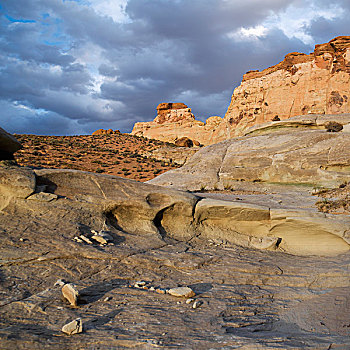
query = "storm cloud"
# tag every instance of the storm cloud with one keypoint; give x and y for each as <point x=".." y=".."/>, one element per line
<point x="71" y="67"/>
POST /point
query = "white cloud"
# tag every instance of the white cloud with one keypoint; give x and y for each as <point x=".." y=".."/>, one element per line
<point x="294" y="20"/>
<point x="250" y="33"/>
<point x="111" y="8"/>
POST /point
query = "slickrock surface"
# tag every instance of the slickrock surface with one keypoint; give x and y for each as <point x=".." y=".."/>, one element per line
<point x="175" y="121"/>
<point x="318" y="83"/>
<point x="251" y="298"/>
<point x="281" y="155"/>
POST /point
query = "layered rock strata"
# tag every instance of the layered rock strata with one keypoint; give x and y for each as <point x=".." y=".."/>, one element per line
<point x="175" y="121"/>
<point x="273" y="155"/>
<point x="318" y="83"/>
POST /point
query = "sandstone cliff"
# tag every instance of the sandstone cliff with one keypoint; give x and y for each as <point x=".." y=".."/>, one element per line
<point x="318" y="83"/>
<point x="174" y="121"/>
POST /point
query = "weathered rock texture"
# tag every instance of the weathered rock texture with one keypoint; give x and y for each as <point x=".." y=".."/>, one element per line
<point x="314" y="157"/>
<point x="175" y="121"/>
<point x="318" y="83"/>
<point x="252" y="298"/>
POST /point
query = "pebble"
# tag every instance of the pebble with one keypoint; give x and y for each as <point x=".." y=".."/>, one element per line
<point x="197" y="304"/>
<point x="189" y="301"/>
<point x="85" y="239"/>
<point x="99" y="239"/>
<point x="161" y="291"/>
<point x="139" y="284"/>
<point x="107" y="298"/>
<point x="152" y="289"/>
<point x="71" y="293"/>
<point x="77" y="239"/>
<point x="73" y="327"/>
<point x="185" y="292"/>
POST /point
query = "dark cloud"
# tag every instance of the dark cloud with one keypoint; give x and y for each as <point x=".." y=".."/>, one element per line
<point x="65" y="68"/>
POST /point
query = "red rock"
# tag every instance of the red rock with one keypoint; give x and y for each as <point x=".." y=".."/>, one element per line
<point x="174" y="121"/>
<point x="318" y="83"/>
<point x="105" y="132"/>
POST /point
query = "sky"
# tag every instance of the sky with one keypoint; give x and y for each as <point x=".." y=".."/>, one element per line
<point x="70" y="67"/>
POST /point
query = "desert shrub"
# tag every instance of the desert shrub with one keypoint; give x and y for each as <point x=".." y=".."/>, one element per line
<point x="333" y="126"/>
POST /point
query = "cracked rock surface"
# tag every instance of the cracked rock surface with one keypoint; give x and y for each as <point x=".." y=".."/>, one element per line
<point x="251" y="298"/>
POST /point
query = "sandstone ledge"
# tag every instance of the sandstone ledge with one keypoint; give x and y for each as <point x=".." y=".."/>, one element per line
<point x="144" y="209"/>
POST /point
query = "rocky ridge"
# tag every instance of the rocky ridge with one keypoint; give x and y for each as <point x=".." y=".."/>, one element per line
<point x="318" y="83"/>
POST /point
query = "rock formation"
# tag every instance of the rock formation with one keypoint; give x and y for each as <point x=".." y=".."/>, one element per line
<point x="8" y="145"/>
<point x="318" y="83"/>
<point x="175" y="121"/>
<point x="297" y="150"/>
<point x="105" y="132"/>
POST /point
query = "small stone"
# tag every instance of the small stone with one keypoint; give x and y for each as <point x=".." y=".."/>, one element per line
<point x="161" y="290"/>
<point x="185" y="292"/>
<point x="179" y="302"/>
<point x="85" y="239"/>
<point x="139" y="284"/>
<point x="197" y="304"/>
<point x="77" y="239"/>
<point x="189" y="301"/>
<point x="152" y="289"/>
<point x="71" y="293"/>
<point x="107" y="299"/>
<point x="73" y="327"/>
<point x="99" y="239"/>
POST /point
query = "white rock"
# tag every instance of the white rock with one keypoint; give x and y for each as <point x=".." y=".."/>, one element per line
<point x="185" y="292"/>
<point x="85" y="239"/>
<point x="71" y="293"/>
<point x="99" y="239"/>
<point x="73" y="327"/>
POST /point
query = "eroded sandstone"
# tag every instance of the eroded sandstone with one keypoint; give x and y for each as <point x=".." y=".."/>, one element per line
<point x="314" y="84"/>
<point x="249" y="297"/>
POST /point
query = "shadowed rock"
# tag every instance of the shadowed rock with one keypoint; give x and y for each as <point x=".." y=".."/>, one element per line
<point x="8" y="145"/>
